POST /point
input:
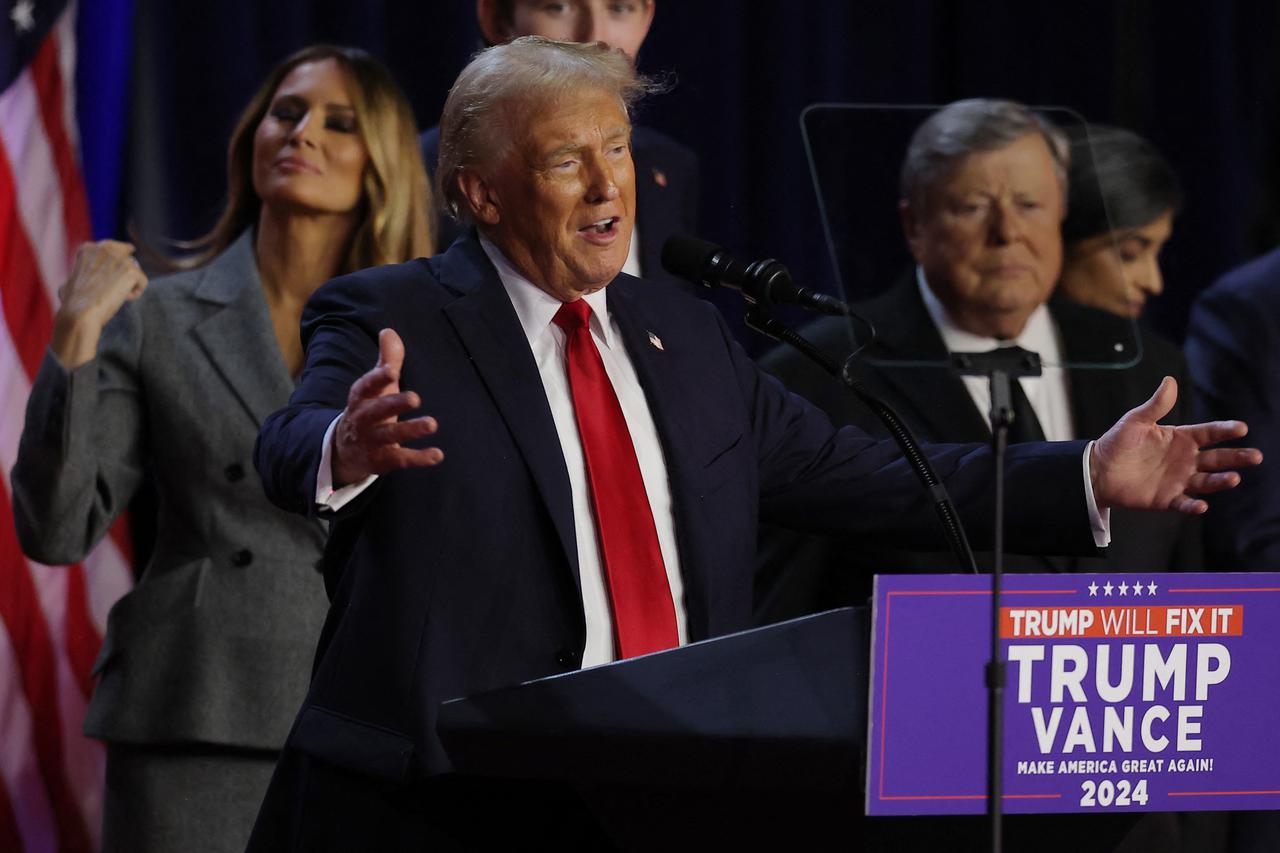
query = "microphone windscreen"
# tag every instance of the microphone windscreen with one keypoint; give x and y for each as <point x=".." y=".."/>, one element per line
<point x="688" y="257"/>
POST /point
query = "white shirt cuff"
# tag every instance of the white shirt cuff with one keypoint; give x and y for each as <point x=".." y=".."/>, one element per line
<point x="327" y="497"/>
<point x="1099" y="521"/>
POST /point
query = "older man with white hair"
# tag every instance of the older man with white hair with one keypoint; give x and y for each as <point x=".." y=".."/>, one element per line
<point x="587" y="484"/>
<point x="982" y="197"/>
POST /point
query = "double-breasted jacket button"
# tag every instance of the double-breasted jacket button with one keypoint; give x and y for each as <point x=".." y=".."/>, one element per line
<point x="234" y="472"/>
<point x="242" y="558"/>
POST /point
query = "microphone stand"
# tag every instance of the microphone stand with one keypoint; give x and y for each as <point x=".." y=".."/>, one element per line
<point x="1001" y="367"/>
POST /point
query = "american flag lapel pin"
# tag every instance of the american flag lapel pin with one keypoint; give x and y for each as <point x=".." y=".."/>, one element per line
<point x="660" y="178"/>
<point x="656" y="341"/>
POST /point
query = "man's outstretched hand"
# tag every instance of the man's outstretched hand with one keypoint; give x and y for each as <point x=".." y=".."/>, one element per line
<point x="369" y="438"/>
<point x="1139" y="464"/>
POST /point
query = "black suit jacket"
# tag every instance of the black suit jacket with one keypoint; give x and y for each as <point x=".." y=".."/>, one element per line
<point x="1233" y="344"/>
<point x="666" y="196"/>
<point x="464" y="577"/>
<point x="805" y="574"/>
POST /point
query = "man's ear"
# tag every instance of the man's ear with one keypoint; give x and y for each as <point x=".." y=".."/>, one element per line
<point x="494" y="25"/>
<point x="909" y="216"/>
<point x="480" y="199"/>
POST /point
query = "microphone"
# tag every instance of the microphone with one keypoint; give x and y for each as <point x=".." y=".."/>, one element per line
<point x="766" y="281"/>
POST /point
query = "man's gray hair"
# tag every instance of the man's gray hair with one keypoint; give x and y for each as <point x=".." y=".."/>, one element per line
<point x="504" y="80"/>
<point x="969" y="127"/>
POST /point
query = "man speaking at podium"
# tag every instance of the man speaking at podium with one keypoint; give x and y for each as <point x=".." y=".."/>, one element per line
<point x="588" y="482"/>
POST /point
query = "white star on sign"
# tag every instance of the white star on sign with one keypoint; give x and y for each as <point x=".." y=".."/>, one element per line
<point x="1093" y="589"/>
<point x="1106" y="590"/>
<point x="1137" y="588"/>
<point x="1124" y="588"/>
<point x="23" y="16"/>
<point x="1151" y="588"/>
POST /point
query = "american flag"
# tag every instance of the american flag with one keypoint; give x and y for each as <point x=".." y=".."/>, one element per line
<point x="51" y="618"/>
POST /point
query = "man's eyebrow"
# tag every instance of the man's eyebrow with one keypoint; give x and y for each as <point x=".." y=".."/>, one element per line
<point x="566" y="148"/>
<point x="622" y="130"/>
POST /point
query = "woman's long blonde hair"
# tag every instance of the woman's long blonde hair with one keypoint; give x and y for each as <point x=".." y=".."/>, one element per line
<point x="394" y="224"/>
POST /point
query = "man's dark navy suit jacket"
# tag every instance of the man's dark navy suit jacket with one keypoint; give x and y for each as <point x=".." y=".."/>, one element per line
<point x="463" y="577"/>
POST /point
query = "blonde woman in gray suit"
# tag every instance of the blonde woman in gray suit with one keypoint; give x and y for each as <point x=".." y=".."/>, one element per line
<point x="207" y="659"/>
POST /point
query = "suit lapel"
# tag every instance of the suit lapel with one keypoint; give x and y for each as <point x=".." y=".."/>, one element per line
<point x="489" y="330"/>
<point x="937" y="396"/>
<point x="1097" y="394"/>
<point x="658" y="369"/>
<point x="670" y="390"/>
<point x="235" y="331"/>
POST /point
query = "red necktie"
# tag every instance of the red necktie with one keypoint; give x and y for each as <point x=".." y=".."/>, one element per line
<point x="643" y="614"/>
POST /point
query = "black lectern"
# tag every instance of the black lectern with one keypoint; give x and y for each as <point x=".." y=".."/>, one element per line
<point x="718" y="739"/>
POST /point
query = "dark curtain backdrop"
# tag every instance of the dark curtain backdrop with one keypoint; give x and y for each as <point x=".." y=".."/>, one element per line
<point x="1199" y="80"/>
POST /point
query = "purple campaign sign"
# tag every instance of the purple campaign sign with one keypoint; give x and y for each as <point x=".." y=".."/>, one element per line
<point x="1137" y="692"/>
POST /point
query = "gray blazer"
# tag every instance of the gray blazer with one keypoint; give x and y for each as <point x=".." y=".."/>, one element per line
<point x="215" y="642"/>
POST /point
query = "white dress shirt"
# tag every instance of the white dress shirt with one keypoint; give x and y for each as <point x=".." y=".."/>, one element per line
<point x="632" y="266"/>
<point x="535" y="309"/>
<point x="1049" y="393"/>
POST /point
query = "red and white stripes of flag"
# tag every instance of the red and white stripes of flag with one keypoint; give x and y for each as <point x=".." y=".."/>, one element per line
<point x="51" y="618"/>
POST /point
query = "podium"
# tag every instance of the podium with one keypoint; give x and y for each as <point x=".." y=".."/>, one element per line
<point x="752" y="736"/>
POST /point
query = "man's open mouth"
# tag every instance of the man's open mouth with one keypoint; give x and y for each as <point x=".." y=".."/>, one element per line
<point x="603" y="226"/>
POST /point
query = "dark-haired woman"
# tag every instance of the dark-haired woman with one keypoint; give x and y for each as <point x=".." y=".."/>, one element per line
<point x="206" y="660"/>
<point x="1123" y="197"/>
